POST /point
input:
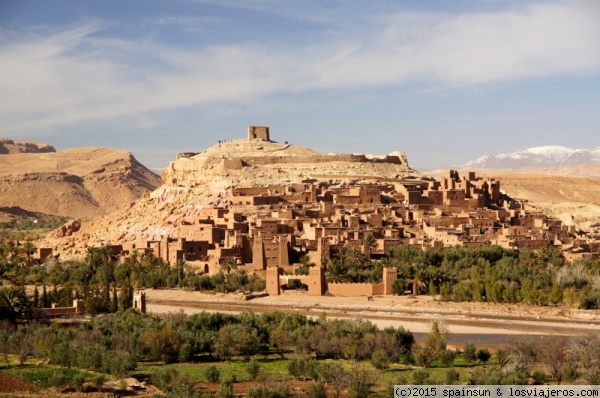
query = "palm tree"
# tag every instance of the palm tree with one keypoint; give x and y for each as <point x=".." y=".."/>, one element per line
<point x="369" y="243"/>
<point x="341" y="254"/>
<point x="227" y="266"/>
<point x="305" y="260"/>
<point x="28" y="249"/>
<point x="336" y="272"/>
<point x="13" y="301"/>
<point x="12" y="250"/>
<point x="354" y="258"/>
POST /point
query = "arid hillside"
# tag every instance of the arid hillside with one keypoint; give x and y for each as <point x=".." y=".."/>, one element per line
<point x="74" y="183"/>
<point x="570" y="193"/>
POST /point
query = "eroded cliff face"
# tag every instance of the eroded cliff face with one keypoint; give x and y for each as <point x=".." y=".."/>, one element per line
<point x="75" y="183"/>
<point x="198" y="180"/>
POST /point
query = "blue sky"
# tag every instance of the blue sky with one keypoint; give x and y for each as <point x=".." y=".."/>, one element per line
<point x="445" y="81"/>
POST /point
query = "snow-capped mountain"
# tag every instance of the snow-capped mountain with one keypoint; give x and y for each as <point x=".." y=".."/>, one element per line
<point x="543" y="156"/>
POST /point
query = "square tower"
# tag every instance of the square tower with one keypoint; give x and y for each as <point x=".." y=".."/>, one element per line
<point x="259" y="133"/>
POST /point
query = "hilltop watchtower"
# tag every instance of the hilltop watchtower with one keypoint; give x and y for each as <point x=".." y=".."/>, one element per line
<point x="258" y="133"/>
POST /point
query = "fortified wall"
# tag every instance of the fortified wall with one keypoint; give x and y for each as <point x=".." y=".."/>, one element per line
<point x="262" y="160"/>
<point x="318" y="286"/>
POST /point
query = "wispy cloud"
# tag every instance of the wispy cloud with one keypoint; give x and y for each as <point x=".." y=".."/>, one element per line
<point x="50" y="79"/>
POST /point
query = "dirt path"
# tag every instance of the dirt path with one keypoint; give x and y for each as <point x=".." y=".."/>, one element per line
<point x="483" y="323"/>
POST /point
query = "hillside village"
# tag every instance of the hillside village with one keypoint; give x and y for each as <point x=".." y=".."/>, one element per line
<point x="275" y="225"/>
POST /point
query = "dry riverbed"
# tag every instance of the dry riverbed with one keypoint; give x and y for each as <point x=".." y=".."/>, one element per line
<point x="483" y="323"/>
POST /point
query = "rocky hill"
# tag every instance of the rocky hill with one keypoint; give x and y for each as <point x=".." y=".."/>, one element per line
<point x="545" y="156"/>
<point x="9" y="147"/>
<point x="205" y="179"/>
<point x="571" y="193"/>
<point x="74" y="183"/>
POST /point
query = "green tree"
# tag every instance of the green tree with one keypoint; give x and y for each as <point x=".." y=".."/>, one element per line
<point x="361" y="381"/>
<point x="470" y="352"/>
<point x="429" y="349"/>
<point x="399" y="286"/>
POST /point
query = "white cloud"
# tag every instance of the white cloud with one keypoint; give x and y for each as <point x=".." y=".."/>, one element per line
<point x="59" y="78"/>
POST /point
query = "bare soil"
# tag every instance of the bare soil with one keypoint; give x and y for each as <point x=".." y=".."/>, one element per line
<point x="12" y="384"/>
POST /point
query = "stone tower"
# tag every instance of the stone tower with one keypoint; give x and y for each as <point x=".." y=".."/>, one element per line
<point x="258" y="133"/>
<point x="317" y="284"/>
<point x="139" y="301"/>
<point x="259" y="263"/>
<point x="390" y="274"/>
<point x="273" y="285"/>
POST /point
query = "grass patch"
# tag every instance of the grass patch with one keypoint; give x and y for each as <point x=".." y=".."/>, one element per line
<point x="227" y="370"/>
<point x="45" y="376"/>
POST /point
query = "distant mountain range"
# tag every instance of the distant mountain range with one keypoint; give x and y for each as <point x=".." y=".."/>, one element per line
<point x="543" y="156"/>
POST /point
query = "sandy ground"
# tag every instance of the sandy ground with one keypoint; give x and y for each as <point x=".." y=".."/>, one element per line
<point x="485" y="323"/>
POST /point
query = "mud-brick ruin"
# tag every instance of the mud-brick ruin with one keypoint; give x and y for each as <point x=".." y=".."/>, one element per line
<point x="268" y="204"/>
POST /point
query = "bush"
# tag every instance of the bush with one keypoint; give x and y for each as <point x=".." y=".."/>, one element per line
<point x="316" y="390"/>
<point x="60" y="378"/>
<point x="99" y="381"/>
<point x="570" y="373"/>
<point x="380" y="360"/>
<point x="447" y="357"/>
<point x="119" y="363"/>
<point x="225" y="390"/>
<point x="253" y="370"/>
<point x="484" y="355"/>
<point x="399" y="286"/>
<point x="296" y="367"/>
<point x="420" y="377"/>
<point x="294" y="284"/>
<point x="78" y="381"/>
<point x="170" y="381"/>
<point x="539" y="377"/>
<point x="590" y="299"/>
<point x="184" y="389"/>
<point x="164" y="377"/>
<point x="212" y="374"/>
<point x="278" y="390"/>
<point x="451" y="376"/>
